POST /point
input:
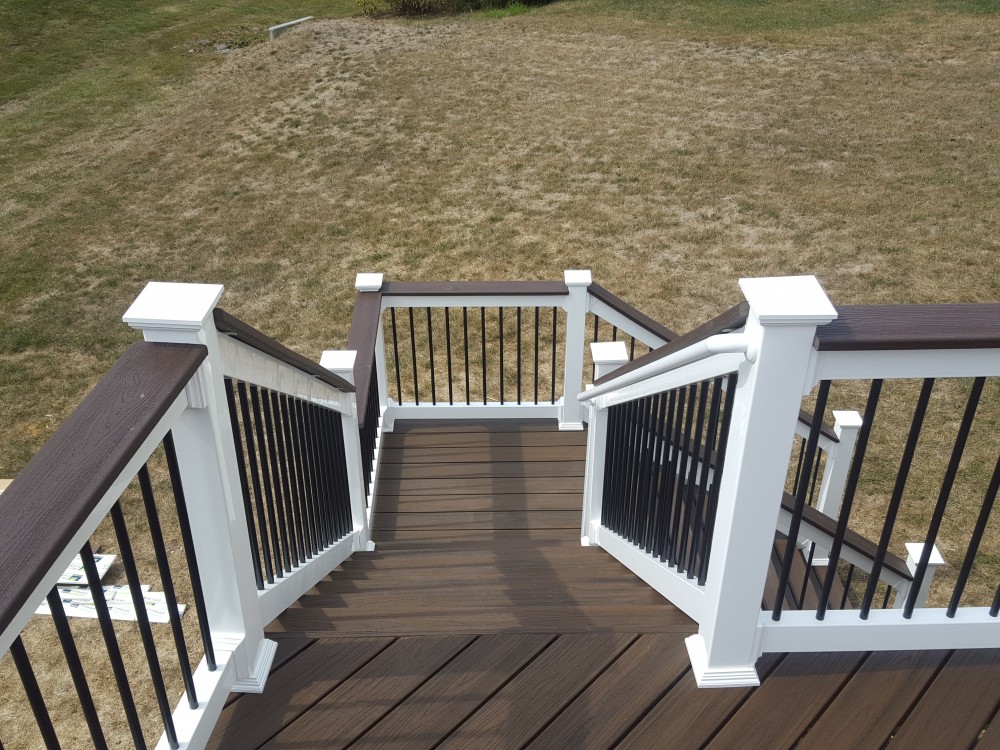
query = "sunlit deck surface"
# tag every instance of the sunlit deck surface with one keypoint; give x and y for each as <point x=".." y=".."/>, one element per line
<point x="480" y="622"/>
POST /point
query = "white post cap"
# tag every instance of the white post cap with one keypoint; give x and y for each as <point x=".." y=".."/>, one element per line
<point x="340" y="362"/>
<point x="609" y="352"/>
<point x="788" y="300"/>
<point x="846" y="420"/>
<point x="577" y="278"/>
<point x="368" y="282"/>
<point x="915" y="549"/>
<point x="168" y="305"/>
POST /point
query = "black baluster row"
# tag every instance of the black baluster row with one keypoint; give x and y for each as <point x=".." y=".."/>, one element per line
<point x="664" y="460"/>
<point x="369" y="431"/>
<point x="494" y="357"/>
<point x="293" y="475"/>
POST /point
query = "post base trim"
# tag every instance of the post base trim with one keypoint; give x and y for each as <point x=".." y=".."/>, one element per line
<point x="717" y="677"/>
<point x="255" y="682"/>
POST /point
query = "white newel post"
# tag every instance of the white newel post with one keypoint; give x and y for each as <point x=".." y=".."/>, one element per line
<point x="913" y="552"/>
<point x="608" y="357"/>
<point x="342" y="363"/>
<point x="571" y="411"/>
<point x="366" y="283"/>
<point x="846" y="425"/>
<point x="206" y="455"/>
<point x="784" y="314"/>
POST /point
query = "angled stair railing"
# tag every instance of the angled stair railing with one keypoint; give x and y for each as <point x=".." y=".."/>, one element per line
<point x="691" y="471"/>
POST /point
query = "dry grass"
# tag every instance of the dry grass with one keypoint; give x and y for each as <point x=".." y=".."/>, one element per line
<point x="668" y="157"/>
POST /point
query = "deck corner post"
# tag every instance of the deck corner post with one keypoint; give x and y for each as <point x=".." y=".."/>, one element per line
<point x="206" y="458"/>
<point x="784" y="314"/>
<point x="342" y="363"/>
<point x="571" y="410"/>
<point x="846" y="425"/>
<point x="607" y="356"/>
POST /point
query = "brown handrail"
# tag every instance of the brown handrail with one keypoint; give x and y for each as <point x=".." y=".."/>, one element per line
<point x="233" y="326"/>
<point x="60" y="487"/>
<point x="730" y="320"/>
<point x="364" y="331"/>
<point x="900" y="327"/>
<point x="626" y="310"/>
<point x="852" y="539"/>
<point x="472" y="288"/>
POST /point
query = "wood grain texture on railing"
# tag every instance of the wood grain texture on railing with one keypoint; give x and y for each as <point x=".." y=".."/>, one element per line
<point x="362" y="338"/>
<point x="730" y="320"/>
<point x="60" y="487"/>
<point x="481" y="288"/>
<point x="900" y="327"/>
<point x="625" y="309"/>
<point x="233" y="326"/>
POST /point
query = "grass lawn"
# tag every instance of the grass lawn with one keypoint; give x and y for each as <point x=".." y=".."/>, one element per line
<point x="671" y="147"/>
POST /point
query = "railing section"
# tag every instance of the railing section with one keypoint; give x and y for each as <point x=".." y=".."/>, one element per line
<point x="221" y="469"/>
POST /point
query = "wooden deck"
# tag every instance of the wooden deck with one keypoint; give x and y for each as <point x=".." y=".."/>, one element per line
<point x="480" y="622"/>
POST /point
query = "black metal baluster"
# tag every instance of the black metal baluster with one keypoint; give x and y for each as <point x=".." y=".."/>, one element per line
<point x="706" y="467"/>
<point x="652" y="489"/>
<point x="897" y="495"/>
<point x="798" y="466"/>
<point x="323" y="475"/>
<point x="306" y="484"/>
<point x="292" y="522"/>
<point x="194" y="573"/>
<point x="500" y="311"/>
<point x="395" y="355"/>
<point x="720" y="463"/>
<point x="631" y="349"/>
<point x="518" y="318"/>
<point x="815" y="478"/>
<point x="800" y="499"/>
<point x="949" y="480"/>
<point x="673" y="469"/>
<point x="685" y="460"/>
<point x="295" y="470"/>
<point x="691" y="494"/>
<point x="482" y="333"/>
<point x="111" y="643"/>
<point x="465" y="342"/>
<point x="270" y="425"/>
<point x="430" y="348"/>
<point x="852" y="485"/>
<point x="447" y="339"/>
<point x="253" y="458"/>
<point x="995" y="607"/>
<point x="663" y="482"/>
<point x="643" y="469"/>
<point x="34" y="695"/>
<point x="885" y="600"/>
<point x="413" y="357"/>
<point x="593" y="365"/>
<point x="555" y="319"/>
<point x="607" y="506"/>
<point x="142" y="618"/>
<point x="167" y="580"/>
<point x="844" y="601"/>
<point x="76" y="669"/>
<point x="244" y="483"/>
<point x="265" y="476"/>
<point x="977" y="537"/>
<point x="536" y="356"/>
<point x="338" y="462"/>
<point x="614" y="333"/>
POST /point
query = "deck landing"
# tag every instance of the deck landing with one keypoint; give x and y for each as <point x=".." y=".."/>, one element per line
<point x="480" y="622"/>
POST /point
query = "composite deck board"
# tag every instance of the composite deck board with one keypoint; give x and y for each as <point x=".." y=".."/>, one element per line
<point x="480" y="622"/>
<point x="539" y="693"/>
<point x="963" y="698"/>
<point x="873" y="702"/>
<point x="603" y="712"/>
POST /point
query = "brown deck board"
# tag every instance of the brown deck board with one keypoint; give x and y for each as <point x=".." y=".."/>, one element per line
<point x="963" y="697"/>
<point x="871" y="704"/>
<point x="366" y="696"/>
<point x="619" y="697"/>
<point x="528" y="703"/>
<point x="451" y="695"/>
<point x="292" y="691"/>
<point x="777" y="713"/>
<point x="480" y="622"/>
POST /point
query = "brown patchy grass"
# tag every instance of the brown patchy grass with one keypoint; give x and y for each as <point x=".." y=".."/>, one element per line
<point x="670" y="159"/>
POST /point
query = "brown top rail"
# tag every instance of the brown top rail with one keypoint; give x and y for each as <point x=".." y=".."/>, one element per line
<point x="364" y="331"/>
<point x="228" y="324"/>
<point x="479" y="288"/>
<point x="60" y="487"/>
<point x="730" y="320"/>
<point x="625" y="309"/>
<point x="899" y="327"/>
<point x="852" y="540"/>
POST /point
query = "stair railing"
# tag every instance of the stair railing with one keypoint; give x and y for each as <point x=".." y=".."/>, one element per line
<point x="689" y="461"/>
<point x="249" y="449"/>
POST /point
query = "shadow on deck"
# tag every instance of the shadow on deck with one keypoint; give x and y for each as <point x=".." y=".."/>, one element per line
<point x="480" y="622"/>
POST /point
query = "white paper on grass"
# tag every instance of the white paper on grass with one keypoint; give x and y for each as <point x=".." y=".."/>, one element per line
<point x="75" y="576"/>
<point x="77" y="602"/>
